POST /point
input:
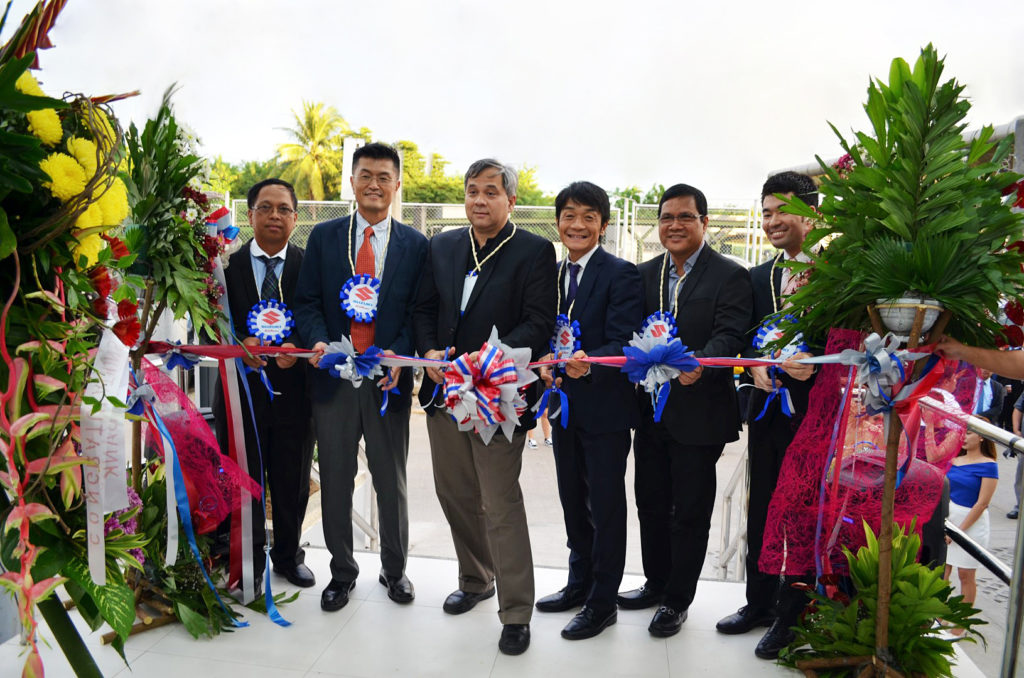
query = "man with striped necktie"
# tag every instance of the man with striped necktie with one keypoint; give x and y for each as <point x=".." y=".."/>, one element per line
<point x="265" y="270"/>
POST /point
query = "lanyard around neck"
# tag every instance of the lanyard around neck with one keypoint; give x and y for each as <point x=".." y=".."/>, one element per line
<point x="477" y="263"/>
<point x="675" y="288"/>
<point x="384" y="255"/>
<point x="561" y="278"/>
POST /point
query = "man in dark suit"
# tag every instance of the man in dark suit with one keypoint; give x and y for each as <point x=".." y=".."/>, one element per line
<point x="491" y="275"/>
<point x="604" y="295"/>
<point x="771" y="601"/>
<point x="367" y="243"/>
<point x="267" y="267"/>
<point x="710" y="298"/>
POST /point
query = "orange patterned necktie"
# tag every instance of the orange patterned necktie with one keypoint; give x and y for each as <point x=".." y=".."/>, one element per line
<point x="362" y="333"/>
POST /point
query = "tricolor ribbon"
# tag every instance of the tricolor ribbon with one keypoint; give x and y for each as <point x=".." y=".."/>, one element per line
<point x="483" y="394"/>
<point x="221" y="222"/>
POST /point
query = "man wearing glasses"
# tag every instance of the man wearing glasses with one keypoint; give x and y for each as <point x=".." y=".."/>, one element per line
<point x="351" y="258"/>
<point x="267" y="268"/>
<point x="490" y="275"/>
<point x="710" y="299"/>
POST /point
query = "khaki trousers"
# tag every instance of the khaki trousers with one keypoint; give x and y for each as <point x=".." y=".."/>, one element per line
<point x="478" y="487"/>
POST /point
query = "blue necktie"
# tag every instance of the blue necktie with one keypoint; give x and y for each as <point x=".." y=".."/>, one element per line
<point x="269" y="290"/>
<point x="574" y="271"/>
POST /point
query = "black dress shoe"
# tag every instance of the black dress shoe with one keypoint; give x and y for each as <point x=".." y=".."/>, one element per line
<point x="335" y="596"/>
<point x="463" y="601"/>
<point x="588" y="623"/>
<point x="1013" y="514"/>
<point x="299" y="575"/>
<point x="639" y="599"/>
<point x="666" y="622"/>
<point x="566" y="599"/>
<point x="746" y="619"/>
<point x="778" y="637"/>
<point x="515" y="638"/>
<point x="400" y="589"/>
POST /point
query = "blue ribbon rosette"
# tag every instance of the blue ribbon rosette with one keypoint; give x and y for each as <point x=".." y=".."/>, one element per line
<point x="565" y="329"/>
<point x="769" y="331"/>
<point x="175" y="358"/>
<point x="652" y="323"/>
<point x="359" y="297"/>
<point x="341" y="361"/>
<point x="270" y="321"/>
<point x="653" y="362"/>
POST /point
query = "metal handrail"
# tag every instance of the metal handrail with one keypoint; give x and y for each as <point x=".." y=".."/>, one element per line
<point x="731" y="547"/>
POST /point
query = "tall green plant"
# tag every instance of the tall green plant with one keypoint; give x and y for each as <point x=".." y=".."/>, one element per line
<point x="920" y="211"/>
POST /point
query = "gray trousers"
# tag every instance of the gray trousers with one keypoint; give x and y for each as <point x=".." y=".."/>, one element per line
<point x="350" y="414"/>
<point x="478" y="487"/>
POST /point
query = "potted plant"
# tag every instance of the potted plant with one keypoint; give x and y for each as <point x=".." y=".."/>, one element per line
<point x="916" y="211"/>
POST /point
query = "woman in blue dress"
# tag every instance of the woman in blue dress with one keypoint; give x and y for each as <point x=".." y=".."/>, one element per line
<point x="972" y="482"/>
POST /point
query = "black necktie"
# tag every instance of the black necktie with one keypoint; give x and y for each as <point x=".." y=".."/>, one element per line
<point x="270" y="286"/>
<point x="574" y="271"/>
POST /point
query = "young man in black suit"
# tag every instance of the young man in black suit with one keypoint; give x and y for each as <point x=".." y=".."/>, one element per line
<point x="710" y="298"/>
<point x="267" y="267"/>
<point x="603" y="294"/>
<point x="490" y="275"/>
<point x="369" y="243"/>
<point x="771" y="601"/>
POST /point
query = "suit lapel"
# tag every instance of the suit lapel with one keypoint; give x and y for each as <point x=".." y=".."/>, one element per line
<point x="777" y="278"/>
<point x="586" y="286"/>
<point x="345" y="249"/>
<point x="289" y="274"/>
<point x="482" y="277"/>
<point x="392" y="262"/>
<point x="244" y="263"/>
<point x="460" y="254"/>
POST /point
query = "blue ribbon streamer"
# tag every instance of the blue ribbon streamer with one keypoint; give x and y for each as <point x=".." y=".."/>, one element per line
<point x="661" y="399"/>
<point x="184" y="512"/>
<point x="563" y="405"/>
<point x="268" y="596"/>
<point x="785" y="400"/>
<point x="262" y="374"/>
<point x="437" y="387"/>
<point x="384" y="404"/>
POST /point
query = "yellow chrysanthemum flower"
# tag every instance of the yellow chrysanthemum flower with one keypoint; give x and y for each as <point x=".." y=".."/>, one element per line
<point x="45" y="124"/>
<point x="67" y="177"/>
<point x="91" y="217"/>
<point x="104" y="134"/>
<point x="26" y="84"/>
<point x="114" y="203"/>
<point x="89" y="247"/>
<point x="84" y="151"/>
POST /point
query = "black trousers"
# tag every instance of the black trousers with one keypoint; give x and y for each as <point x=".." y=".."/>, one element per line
<point x="591" y="469"/>
<point x="675" y="496"/>
<point x="286" y="443"/>
<point x="766" y="448"/>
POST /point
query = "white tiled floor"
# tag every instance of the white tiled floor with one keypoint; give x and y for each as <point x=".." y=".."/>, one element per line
<point x="373" y="636"/>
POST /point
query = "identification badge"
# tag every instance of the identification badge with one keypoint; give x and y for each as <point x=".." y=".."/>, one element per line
<point x="566" y="340"/>
<point x="659" y="325"/>
<point x="270" y="321"/>
<point x="772" y="330"/>
<point x="359" y="297"/>
<point x="467" y="289"/>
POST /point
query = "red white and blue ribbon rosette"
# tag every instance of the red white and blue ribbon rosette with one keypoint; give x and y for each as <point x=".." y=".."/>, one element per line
<point x="483" y="394"/>
<point x="270" y="321"/>
<point x="566" y="339"/>
<point x="659" y="325"/>
<point x="359" y="297"/>
<point x="653" y="362"/>
<point x="771" y="330"/>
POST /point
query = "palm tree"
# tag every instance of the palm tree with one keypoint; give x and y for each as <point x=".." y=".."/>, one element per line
<point x="313" y="162"/>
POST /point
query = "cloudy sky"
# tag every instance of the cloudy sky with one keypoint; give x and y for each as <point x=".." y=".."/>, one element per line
<point x="633" y="92"/>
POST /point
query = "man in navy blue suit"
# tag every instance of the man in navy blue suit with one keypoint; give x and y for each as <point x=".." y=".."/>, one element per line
<point x="601" y="296"/>
<point x="339" y="254"/>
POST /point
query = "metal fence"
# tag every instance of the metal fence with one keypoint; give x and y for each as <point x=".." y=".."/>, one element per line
<point x="734" y="227"/>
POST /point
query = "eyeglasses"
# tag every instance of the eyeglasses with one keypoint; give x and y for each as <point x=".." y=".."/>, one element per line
<point x="685" y="219"/>
<point x="383" y="180"/>
<point x="282" y="210"/>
